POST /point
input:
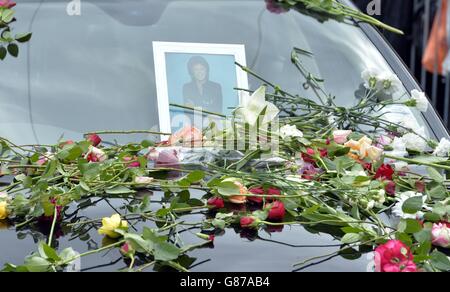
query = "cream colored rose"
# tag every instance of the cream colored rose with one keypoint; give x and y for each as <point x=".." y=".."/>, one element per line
<point x="109" y="225"/>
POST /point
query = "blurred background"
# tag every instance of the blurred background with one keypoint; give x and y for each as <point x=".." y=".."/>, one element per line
<point x="424" y="47"/>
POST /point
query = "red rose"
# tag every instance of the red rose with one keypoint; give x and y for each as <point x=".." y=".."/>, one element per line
<point x="216" y="202"/>
<point x="384" y="172"/>
<point x="94" y="139"/>
<point x="277" y="211"/>
<point x="394" y="256"/>
<point x="323" y="152"/>
<point x="211" y="237"/>
<point x="390" y="188"/>
<point x="246" y="222"/>
<point x="261" y="191"/>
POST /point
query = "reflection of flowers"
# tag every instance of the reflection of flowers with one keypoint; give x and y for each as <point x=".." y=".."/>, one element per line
<point x="394" y="256"/>
<point x="3" y="210"/>
<point x="275" y="7"/>
<point x="112" y="223"/>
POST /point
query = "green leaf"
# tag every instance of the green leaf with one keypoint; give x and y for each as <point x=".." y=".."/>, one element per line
<point x="48" y="252"/>
<point x="13" y="49"/>
<point x="68" y="254"/>
<point x="23" y="37"/>
<point x="8" y="15"/>
<point x="165" y="251"/>
<point x="350" y="238"/>
<point x="413" y="205"/>
<point x="425" y="234"/>
<point x="440" y="261"/>
<point x="51" y="168"/>
<point x="3" y="52"/>
<point x="435" y="175"/>
<point x="409" y="226"/>
<point x="228" y="188"/>
<point x="119" y="190"/>
<point x="195" y="176"/>
<point x="37" y="264"/>
<point x="437" y="190"/>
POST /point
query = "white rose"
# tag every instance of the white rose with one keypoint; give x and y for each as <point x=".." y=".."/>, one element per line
<point x="290" y="131"/>
<point x="399" y="148"/>
<point x="443" y="148"/>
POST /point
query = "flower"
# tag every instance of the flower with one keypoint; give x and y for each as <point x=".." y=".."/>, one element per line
<point x="127" y="250"/>
<point x="109" y="225"/>
<point x="152" y="154"/>
<point x="59" y="216"/>
<point x="414" y="142"/>
<point x="399" y="147"/>
<point x="239" y="198"/>
<point x="216" y="202"/>
<point x="276" y="211"/>
<point x="247" y="222"/>
<point x="4" y="213"/>
<point x="340" y="136"/>
<point x="389" y="83"/>
<point x="143" y="180"/>
<point x="94" y="139"/>
<point x="384" y="140"/>
<point x="7" y="4"/>
<point x="363" y="148"/>
<point x="187" y="136"/>
<point x="254" y="106"/>
<point x="397" y="210"/>
<point x="390" y="188"/>
<point x="132" y="164"/>
<point x="96" y="155"/>
<point x="418" y="100"/>
<point x="394" y="256"/>
<point x="443" y="148"/>
<point x="375" y="79"/>
<point x="167" y="158"/>
<point x="370" y="77"/>
<point x="288" y="131"/>
<point x="261" y="191"/>
<point x="275" y="7"/>
<point x="385" y="171"/>
<point x="441" y="234"/>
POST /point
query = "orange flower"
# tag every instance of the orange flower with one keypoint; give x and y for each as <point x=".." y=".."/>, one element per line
<point x="241" y="198"/>
<point x="362" y="149"/>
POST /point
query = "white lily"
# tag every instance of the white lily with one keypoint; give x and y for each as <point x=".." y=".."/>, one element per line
<point x="254" y="107"/>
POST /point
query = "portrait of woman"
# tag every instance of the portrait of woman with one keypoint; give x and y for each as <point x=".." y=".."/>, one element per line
<point x="202" y="92"/>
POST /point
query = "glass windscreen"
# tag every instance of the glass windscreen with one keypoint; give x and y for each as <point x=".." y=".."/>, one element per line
<point x="96" y="71"/>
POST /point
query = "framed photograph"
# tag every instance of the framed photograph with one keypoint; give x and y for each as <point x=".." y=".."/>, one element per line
<point x="197" y="75"/>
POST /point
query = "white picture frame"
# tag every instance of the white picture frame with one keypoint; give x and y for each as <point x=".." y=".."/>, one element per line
<point x="160" y="51"/>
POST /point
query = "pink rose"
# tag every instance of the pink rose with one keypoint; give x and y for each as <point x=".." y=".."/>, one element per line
<point x="187" y="136"/>
<point x="167" y="158"/>
<point x="340" y="136"/>
<point x="247" y="222"/>
<point x="441" y="234"/>
<point x="96" y="155"/>
<point x="7" y="4"/>
<point x="393" y="257"/>
<point x="216" y="202"/>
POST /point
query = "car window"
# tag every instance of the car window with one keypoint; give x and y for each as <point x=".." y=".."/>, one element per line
<point x="96" y="71"/>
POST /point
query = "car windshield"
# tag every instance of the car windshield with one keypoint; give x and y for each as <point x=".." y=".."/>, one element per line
<point x="95" y="71"/>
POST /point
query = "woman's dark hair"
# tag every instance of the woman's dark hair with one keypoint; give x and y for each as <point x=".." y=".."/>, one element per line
<point x="197" y="60"/>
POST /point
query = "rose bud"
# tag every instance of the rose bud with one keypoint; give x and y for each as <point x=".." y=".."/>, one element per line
<point x="247" y="222"/>
<point x="216" y="202"/>
<point x="261" y="191"/>
<point x="127" y="250"/>
<point x="94" y="139"/>
<point x="276" y="211"/>
<point x="441" y="234"/>
<point x="96" y="155"/>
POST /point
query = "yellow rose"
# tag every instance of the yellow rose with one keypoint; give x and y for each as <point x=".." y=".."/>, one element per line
<point x="3" y="210"/>
<point x="111" y="224"/>
<point x="374" y="153"/>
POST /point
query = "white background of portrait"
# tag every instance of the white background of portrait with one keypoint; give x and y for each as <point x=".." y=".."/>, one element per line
<point x="159" y="52"/>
